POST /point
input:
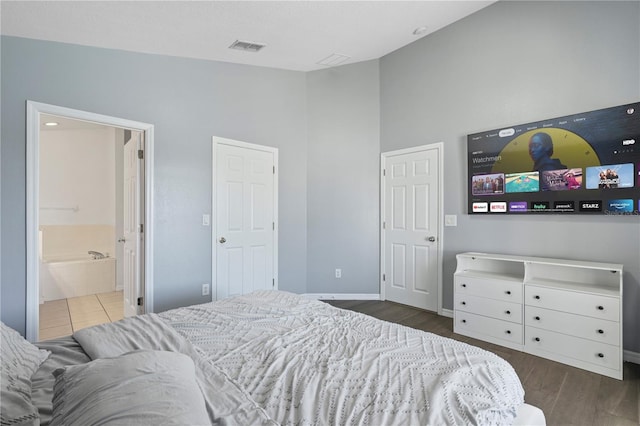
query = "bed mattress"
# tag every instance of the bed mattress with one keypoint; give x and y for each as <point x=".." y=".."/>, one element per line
<point x="277" y="358"/>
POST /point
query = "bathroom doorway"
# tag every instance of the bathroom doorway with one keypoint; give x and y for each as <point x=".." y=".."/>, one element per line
<point x="81" y="270"/>
<point x="80" y="221"/>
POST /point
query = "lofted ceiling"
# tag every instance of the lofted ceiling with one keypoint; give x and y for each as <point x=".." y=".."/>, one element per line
<point x="298" y="35"/>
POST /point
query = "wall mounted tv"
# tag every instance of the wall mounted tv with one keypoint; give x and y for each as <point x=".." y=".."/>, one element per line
<point x="586" y="163"/>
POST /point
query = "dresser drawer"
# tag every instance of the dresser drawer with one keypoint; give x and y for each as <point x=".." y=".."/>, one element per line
<point x="504" y="330"/>
<point x="572" y="347"/>
<point x="573" y="302"/>
<point x="494" y="289"/>
<point x="508" y="311"/>
<point x="595" y="329"/>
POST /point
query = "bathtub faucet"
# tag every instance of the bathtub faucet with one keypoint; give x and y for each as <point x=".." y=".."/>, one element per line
<point x="97" y="254"/>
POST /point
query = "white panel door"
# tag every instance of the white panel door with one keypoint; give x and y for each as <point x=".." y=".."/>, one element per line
<point x="132" y="226"/>
<point x="411" y="228"/>
<point x="245" y="220"/>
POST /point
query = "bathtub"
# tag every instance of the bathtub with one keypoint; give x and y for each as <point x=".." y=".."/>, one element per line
<point x="62" y="277"/>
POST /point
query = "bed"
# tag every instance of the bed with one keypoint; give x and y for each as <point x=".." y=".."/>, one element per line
<point x="267" y="358"/>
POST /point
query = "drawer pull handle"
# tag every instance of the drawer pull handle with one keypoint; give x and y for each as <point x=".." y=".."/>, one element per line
<point x="508" y="312"/>
<point x="464" y="303"/>
<point x="464" y="285"/>
<point x="537" y="318"/>
<point x="464" y="320"/>
<point x="508" y="291"/>
<point x="508" y="331"/>
<point x="536" y="297"/>
<point x="600" y="355"/>
<point x="601" y="308"/>
<point x="601" y="331"/>
<point x="537" y="339"/>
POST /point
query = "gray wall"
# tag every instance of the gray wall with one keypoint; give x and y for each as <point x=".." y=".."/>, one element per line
<point x="516" y="62"/>
<point x="188" y="101"/>
<point x="343" y="180"/>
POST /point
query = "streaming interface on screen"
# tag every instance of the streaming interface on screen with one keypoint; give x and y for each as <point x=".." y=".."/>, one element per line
<point x="587" y="163"/>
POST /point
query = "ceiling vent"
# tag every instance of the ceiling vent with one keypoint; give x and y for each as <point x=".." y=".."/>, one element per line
<point x="333" y="60"/>
<point x="247" y="46"/>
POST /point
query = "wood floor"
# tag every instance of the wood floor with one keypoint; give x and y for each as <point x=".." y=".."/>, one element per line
<point x="566" y="395"/>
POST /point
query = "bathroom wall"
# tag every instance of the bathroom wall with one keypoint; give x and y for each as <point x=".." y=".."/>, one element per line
<point x="77" y="177"/>
<point x="70" y="242"/>
<point x="78" y="186"/>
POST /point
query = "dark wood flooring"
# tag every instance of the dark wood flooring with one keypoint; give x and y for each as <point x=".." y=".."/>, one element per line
<point x="566" y="395"/>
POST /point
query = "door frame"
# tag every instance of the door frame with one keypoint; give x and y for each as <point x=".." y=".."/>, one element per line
<point x="34" y="109"/>
<point x="216" y="140"/>
<point x="439" y="148"/>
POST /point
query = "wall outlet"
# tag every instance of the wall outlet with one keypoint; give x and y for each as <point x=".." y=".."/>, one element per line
<point x="205" y="289"/>
<point x="338" y="273"/>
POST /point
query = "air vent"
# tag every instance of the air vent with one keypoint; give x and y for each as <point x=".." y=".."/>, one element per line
<point x="247" y="46"/>
<point x="333" y="60"/>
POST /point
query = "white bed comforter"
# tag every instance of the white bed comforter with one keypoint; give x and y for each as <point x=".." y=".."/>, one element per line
<point x="307" y="363"/>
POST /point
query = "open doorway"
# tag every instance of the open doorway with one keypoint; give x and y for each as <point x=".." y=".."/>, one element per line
<point x="79" y="225"/>
<point x="88" y="220"/>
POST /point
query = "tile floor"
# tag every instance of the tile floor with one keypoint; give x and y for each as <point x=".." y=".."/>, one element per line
<point x="62" y="317"/>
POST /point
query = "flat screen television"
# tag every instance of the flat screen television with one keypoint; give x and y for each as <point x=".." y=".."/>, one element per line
<point x="587" y="163"/>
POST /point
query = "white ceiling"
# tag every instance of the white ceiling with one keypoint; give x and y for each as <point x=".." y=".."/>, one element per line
<point x="65" y="123"/>
<point x="298" y="34"/>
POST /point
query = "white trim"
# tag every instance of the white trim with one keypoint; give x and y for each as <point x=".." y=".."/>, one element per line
<point x="383" y="290"/>
<point x="34" y="109"/>
<point x="216" y="140"/>
<point x="447" y="313"/>
<point x="148" y="217"/>
<point x="632" y="356"/>
<point x="439" y="147"/>
<point x="341" y="296"/>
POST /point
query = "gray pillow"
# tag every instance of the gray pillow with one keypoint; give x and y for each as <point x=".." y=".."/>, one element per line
<point x="20" y="359"/>
<point x="140" y="387"/>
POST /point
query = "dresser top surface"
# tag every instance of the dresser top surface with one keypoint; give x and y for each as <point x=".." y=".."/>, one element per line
<point x="541" y="260"/>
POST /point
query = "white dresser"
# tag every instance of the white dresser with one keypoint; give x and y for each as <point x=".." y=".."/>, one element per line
<point x="568" y="311"/>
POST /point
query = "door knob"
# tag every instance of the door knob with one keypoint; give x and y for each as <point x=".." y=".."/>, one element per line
<point x="223" y="240"/>
<point x="432" y="239"/>
<point x="121" y="240"/>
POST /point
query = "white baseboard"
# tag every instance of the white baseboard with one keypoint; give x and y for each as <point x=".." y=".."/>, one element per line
<point x="341" y="296"/>
<point x="447" y="313"/>
<point x="632" y="357"/>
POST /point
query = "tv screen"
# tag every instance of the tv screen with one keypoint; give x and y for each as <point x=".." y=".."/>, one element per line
<point x="587" y="163"/>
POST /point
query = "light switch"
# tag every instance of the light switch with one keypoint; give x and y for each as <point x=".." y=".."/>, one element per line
<point x="205" y="219"/>
<point x="450" y="220"/>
